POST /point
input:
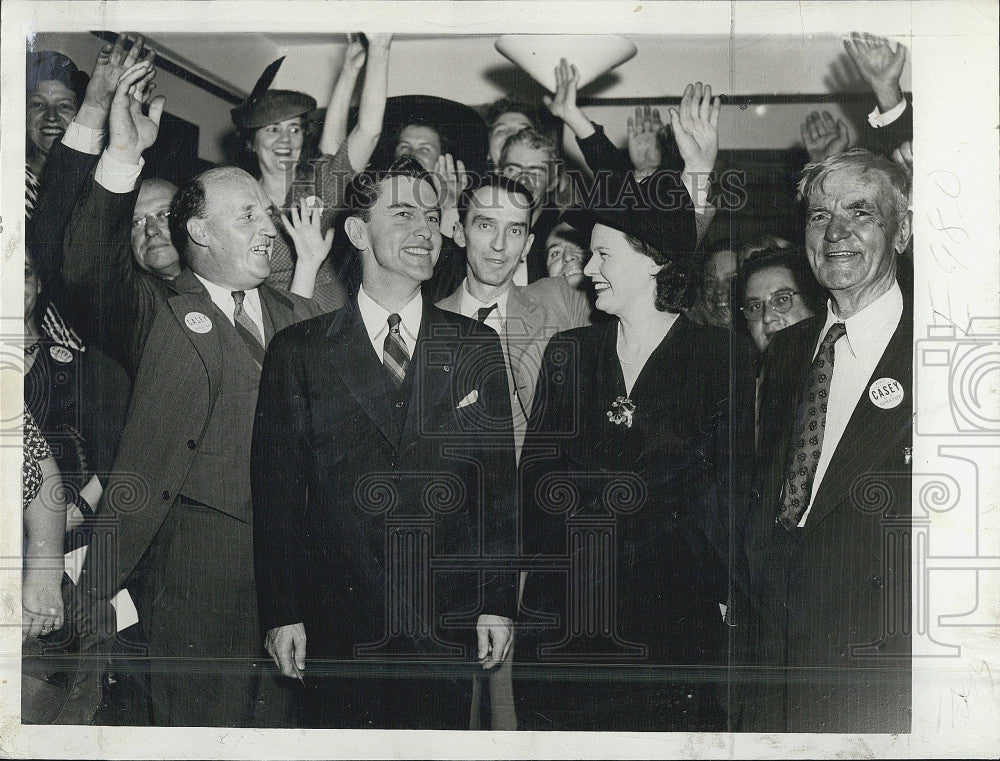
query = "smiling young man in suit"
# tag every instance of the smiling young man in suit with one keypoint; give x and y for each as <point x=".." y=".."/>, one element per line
<point x="829" y="545"/>
<point x="177" y="504"/>
<point x="384" y="485"/>
<point x="493" y="227"/>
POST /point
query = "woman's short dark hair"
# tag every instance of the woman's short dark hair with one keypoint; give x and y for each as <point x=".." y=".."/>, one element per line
<point x="674" y="285"/>
<point x="498" y="182"/>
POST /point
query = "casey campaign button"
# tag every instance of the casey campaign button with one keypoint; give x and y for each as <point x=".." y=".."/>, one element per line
<point x="198" y="322"/>
<point x="61" y="354"/>
<point x="886" y="393"/>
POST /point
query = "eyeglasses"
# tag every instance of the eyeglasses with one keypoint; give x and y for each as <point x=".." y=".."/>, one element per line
<point x="160" y="216"/>
<point x="779" y="302"/>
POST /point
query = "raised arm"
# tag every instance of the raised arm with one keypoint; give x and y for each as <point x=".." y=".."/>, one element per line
<point x="364" y="137"/>
<point x="335" y="124"/>
<point x="696" y="130"/>
<point x="880" y="66"/>
<point x="98" y="267"/>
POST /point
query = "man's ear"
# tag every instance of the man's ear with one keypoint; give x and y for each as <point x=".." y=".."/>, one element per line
<point x="357" y="233"/>
<point x="196" y="231"/>
<point x="903" y="232"/>
<point x="527" y="248"/>
<point x="459" y="233"/>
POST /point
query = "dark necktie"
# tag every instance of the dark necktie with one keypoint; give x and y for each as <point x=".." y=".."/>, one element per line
<point x="248" y="329"/>
<point x="394" y="355"/>
<point x="807" y="435"/>
<point x="483" y="312"/>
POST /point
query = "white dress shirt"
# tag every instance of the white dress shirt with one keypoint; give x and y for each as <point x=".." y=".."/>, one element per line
<point x="223" y="299"/>
<point x="855" y="356"/>
<point x="376" y="319"/>
<point x="470" y="307"/>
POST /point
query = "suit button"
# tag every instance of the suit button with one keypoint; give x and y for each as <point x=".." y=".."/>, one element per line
<point x="191" y="444"/>
<point x="399" y="405"/>
<point x="165" y="495"/>
<point x="877" y="582"/>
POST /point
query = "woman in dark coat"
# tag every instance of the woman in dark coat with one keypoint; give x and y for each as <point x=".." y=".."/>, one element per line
<point x="627" y="494"/>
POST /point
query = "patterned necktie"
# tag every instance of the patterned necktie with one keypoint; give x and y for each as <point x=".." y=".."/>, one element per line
<point x="483" y="312"/>
<point x="807" y="435"/>
<point x="394" y="355"/>
<point x="248" y="329"/>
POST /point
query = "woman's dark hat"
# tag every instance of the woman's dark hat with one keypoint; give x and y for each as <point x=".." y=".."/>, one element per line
<point x="658" y="211"/>
<point x="462" y="128"/>
<point x="265" y="106"/>
<point x="45" y="65"/>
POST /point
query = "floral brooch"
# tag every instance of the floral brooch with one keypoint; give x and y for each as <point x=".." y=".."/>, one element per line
<point x="621" y="411"/>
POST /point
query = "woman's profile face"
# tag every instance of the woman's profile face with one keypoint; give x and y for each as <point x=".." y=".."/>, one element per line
<point x="48" y="112"/>
<point x="622" y="277"/>
<point x="278" y="145"/>
<point x="770" y="288"/>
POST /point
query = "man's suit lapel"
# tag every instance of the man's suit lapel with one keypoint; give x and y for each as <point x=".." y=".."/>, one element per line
<point x="872" y="434"/>
<point x="431" y="370"/>
<point x="189" y="304"/>
<point x="350" y="353"/>
<point x="279" y="311"/>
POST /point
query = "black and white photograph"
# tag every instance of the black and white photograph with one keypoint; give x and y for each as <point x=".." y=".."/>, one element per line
<point x="570" y="379"/>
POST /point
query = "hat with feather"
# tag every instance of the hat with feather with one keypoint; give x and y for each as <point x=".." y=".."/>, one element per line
<point x="265" y="106"/>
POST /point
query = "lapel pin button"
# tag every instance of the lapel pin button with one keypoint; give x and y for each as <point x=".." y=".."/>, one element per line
<point x="447" y="368"/>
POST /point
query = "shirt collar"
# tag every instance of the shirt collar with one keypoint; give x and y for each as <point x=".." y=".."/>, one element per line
<point x="376" y="317"/>
<point x="223" y="298"/>
<point x="471" y="305"/>
<point x="870" y="323"/>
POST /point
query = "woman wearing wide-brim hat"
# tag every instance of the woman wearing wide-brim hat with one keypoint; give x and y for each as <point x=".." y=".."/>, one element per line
<point x="272" y="125"/>
<point x="621" y="624"/>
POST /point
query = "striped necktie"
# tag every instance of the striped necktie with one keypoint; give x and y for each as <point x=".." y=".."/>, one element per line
<point x="394" y="355"/>
<point x="807" y="436"/>
<point x="247" y="329"/>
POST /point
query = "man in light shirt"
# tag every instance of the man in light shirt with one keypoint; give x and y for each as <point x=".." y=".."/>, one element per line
<point x="829" y="542"/>
<point x="177" y="504"/>
<point x="493" y="228"/>
<point x="384" y="487"/>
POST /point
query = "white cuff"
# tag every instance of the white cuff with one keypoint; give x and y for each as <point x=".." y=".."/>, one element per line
<point x="878" y="119"/>
<point x="83" y="139"/>
<point x="115" y="176"/>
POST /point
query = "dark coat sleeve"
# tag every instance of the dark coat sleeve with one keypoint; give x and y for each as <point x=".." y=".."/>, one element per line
<point x="278" y="475"/>
<point x="885" y="140"/>
<point x="65" y="175"/>
<point x="602" y="155"/>
<point x="115" y="301"/>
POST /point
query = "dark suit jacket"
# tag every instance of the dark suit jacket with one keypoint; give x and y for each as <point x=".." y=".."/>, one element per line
<point x="341" y="475"/>
<point x="834" y="596"/>
<point x="535" y="313"/>
<point x="669" y="474"/>
<point x="140" y="320"/>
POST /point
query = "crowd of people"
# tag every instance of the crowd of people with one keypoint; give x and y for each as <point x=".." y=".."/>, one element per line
<point x="410" y="424"/>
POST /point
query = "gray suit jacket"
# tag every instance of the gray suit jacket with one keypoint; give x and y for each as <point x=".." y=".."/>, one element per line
<point x="535" y="313"/>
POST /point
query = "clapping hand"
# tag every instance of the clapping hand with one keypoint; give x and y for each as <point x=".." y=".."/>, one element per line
<point x="131" y="131"/>
<point x="112" y="62"/>
<point x="823" y="136"/>
<point x="696" y="128"/>
<point x="643" y="139"/>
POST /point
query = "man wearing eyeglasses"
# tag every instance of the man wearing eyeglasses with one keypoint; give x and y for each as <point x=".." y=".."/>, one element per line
<point x="152" y="247"/>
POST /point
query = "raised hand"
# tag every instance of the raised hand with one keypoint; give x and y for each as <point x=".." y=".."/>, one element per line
<point x="903" y="156"/>
<point x="355" y="55"/>
<point x="112" y="62"/>
<point x="130" y="131"/>
<point x="696" y="128"/>
<point x="563" y="103"/>
<point x="643" y="139"/>
<point x="880" y="65"/>
<point x="304" y="226"/>
<point x="380" y="41"/>
<point x="450" y="179"/>
<point x="823" y="136"/>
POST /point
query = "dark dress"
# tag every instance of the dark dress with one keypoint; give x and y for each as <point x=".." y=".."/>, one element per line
<point x="628" y="530"/>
